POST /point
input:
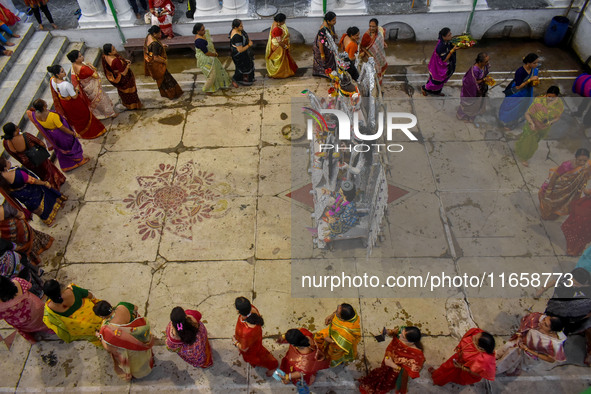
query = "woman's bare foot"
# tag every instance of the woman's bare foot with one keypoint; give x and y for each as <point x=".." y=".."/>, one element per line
<point x="41" y="27"/>
<point x="10" y="44"/>
<point x="7" y="52"/>
<point x="16" y="36"/>
<point x="234" y="84"/>
<point x="54" y="26"/>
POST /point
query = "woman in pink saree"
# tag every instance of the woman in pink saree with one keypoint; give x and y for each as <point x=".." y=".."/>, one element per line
<point x="86" y="76"/>
<point x="21" y="309"/>
<point x="373" y="44"/>
<point x="126" y="336"/>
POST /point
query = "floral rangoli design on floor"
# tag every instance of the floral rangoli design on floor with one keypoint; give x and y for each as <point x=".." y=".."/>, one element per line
<point x="178" y="199"/>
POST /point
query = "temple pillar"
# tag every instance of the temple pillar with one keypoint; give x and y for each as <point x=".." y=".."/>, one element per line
<point x="125" y="14"/>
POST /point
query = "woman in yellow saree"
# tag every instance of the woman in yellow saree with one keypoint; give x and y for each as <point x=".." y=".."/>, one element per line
<point x="69" y="314"/>
<point x="279" y="62"/>
<point x="564" y="185"/>
<point x="541" y="115"/>
<point x="126" y="336"/>
<point x="339" y="340"/>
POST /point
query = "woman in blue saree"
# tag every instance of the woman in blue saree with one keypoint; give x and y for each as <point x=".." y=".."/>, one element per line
<point x="36" y="195"/>
<point x="520" y="92"/>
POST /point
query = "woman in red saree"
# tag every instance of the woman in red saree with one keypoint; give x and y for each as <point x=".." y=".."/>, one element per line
<point x="120" y="75"/>
<point x="403" y="359"/>
<point x="248" y="337"/>
<point x="474" y="359"/>
<point x="564" y="185"/>
<point x="126" y="336"/>
<point x="303" y="359"/>
<point x="73" y="105"/>
<point x="575" y="228"/>
<point x="16" y="143"/>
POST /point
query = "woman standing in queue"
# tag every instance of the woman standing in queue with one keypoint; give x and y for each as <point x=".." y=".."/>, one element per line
<point x="58" y="132"/>
<point x="442" y="64"/>
<point x="73" y="106"/>
<point x="86" y="76"/>
<point x="216" y="77"/>
<point x="17" y="143"/>
<point x="242" y="54"/>
<point x="155" y="65"/>
<point x="127" y="337"/>
<point x="118" y="73"/>
<point x="323" y="56"/>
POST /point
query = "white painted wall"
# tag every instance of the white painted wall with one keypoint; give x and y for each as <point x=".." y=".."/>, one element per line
<point x="582" y="37"/>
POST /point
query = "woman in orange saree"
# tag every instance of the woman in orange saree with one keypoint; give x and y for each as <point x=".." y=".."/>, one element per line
<point x="155" y="65"/>
<point x="474" y="359"/>
<point x="278" y="60"/>
<point x="86" y="77"/>
<point x="248" y="337"/>
<point x="73" y="106"/>
<point x="564" y="185"/>
<point x="403" y="359"/>
<point x="303" y="359"/>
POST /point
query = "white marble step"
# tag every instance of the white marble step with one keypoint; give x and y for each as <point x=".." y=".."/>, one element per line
<point x="25" y="30"/>
<point x="36" y="80"/>
<point x="20" y="71"/>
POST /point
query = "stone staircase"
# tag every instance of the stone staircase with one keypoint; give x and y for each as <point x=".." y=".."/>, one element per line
<point x="24" y="77"/>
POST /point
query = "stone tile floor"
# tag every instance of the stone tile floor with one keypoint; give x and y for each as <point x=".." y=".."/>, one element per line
<point x="469" y="207"/>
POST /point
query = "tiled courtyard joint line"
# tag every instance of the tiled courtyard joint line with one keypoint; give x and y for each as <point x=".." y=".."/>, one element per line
<point x="212" y="280"/>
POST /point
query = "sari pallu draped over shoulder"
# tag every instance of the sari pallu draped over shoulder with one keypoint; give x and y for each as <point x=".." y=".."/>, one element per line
<point x="345" y="334"/>
<point x="541" y="112"/>
<point x="130" y="346"/>
<point x="77" y="112"/>
<point x="42" y="201"/>
<point x="279" y="62"/>
<point x="24" y="312"/>
<point x="216" y="77"/>
<point x="90" y="82"/>
<point x="472" y="102"/>
<point x="480" y="363"/>
<point x="80" y="325"/>
<point x="384" y="379"/>
<point x="307" y="364"/>
<point x="512" y="359"/>
<point x="125" y="84"/>
<point x="46" y="170"/>
<point x="251" y="338"/>
<point x="375" y="46"/>
<point x="67" y="148"/>
<point x="198" y="353"/>
<point x="568" y="187"/>
<point x="167" y="85"/>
